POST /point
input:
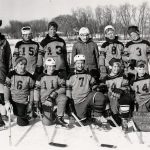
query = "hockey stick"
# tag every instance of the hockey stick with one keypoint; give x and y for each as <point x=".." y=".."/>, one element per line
<point x="93" y="133"/>
<point x="46" y="133"/>
<point x="10" y="139"/>
<point x="125" y="134"/>
<point x="138" y="136"/>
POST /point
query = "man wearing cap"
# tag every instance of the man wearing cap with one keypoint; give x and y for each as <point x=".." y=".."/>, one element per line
<point x="136" y="49"/>
<point x="28" y="49"/>
<point x="54" y="46"/>
<point x="86" y="46"/>
<point x="111" y="48"/>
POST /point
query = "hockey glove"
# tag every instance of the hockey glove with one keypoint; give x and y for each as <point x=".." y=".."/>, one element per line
<point x="102" y="88"/>
<point x="48" y="102"/>
<point x="132" y="64"/>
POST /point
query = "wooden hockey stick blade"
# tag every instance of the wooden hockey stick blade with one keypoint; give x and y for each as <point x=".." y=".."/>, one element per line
<point x="57" y="144"/>
<point x="108" y="146"/>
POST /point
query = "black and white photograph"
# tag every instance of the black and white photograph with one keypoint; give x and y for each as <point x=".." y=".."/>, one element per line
<point x="74" y="74"/>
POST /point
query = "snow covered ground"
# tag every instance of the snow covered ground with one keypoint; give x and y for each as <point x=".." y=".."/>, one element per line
<point x="33" y="137"/>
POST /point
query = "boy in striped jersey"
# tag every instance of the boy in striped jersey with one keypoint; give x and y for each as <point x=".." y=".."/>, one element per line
<point x="28" y="49"/>
<point x="141" y="86"/>
<point x="19" y="87"/>
<point x="111" y="48"/>
<point x="50" y="91"/>
<point x="136" y="49"/>
<point x="118" y="92"/>
<point x="81" y="89"/>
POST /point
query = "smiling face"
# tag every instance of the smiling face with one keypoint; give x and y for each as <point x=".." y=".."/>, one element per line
<point x="52" y="31"/>
<point x="115" y="68"/>
<point x="21" y="67"/>
<point x="141" y="70"/>
<point x="79" y="65"/>
<point x="110" y="34"/>
<point x="84" y="37"/>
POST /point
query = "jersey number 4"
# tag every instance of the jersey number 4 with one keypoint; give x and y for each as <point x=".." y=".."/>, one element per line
<point x="144" y="88"/>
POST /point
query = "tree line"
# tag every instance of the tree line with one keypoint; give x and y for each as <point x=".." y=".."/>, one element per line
<point x="120" y="17"/>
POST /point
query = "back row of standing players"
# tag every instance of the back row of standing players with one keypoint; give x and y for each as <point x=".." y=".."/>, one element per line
<point x="100" y="77"/>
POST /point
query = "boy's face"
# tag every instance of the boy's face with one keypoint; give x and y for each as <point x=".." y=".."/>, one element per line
<point x="134" y="36"/>
<point x="52" y="31"/>
<point x="141" y="71"/>
<point x="84" y="37"/>
<point x="26" y="37"/>
<point x="79" y="65"/>
<point x="21" y="67"/>
<point x="50" y="69"/>
<point x="115" y="68"/>
<point x="110" y="34"/>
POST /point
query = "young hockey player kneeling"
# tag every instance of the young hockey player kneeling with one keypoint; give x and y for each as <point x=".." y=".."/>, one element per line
<point x="80" y="88"/>
<point x="141" y="86"/>
<point x="118" y="92"/>
<point x="19" y="86"/>
<point x="50" y="90"/>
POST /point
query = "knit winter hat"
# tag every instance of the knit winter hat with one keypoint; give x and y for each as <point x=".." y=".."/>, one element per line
<point x="19" y="59"/>
<point x="133" y="29"/>
<point x="54" y="24"/>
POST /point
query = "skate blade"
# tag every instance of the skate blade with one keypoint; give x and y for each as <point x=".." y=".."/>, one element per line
<point x="67" y="127"/>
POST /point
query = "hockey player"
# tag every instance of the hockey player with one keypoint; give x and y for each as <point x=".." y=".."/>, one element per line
<point x="50" y="91"/>
<point x="118" y="92"/>
<point x="19" y="87"/>
<point x="141" y="86"/>
<point x="5" y="66"/>
<point x="28" y="49"/>
<point x="54" y="46"/>
<point x="80" y="88"/>
<point x="136" y="49"/>
<point x="111" y="48"/>
<point x="86" y="46"/>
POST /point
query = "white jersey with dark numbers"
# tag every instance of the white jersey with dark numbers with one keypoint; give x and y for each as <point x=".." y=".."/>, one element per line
<point x="29" y="50"/>
<point x="141" y="86"/>
<point x="20" y="86"/>
<point x="46" y="84"/>
<point x="80" y="85"/>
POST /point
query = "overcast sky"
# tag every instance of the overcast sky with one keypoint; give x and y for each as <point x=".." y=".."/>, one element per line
<point x="25" y="10"/>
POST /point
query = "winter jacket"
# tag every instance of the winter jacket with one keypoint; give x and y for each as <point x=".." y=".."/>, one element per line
<point x="90" y="50"/>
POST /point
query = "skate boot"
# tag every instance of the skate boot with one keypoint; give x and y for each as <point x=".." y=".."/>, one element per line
<point x="124" y="124"/>
<point x="60" y="121"/>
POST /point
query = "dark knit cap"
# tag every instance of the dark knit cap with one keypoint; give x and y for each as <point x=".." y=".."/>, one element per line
<point x="53" y="24"/>
<point x="133" y="29"/>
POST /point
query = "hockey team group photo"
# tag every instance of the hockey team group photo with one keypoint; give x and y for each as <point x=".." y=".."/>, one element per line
<point x="77" y="80"/>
